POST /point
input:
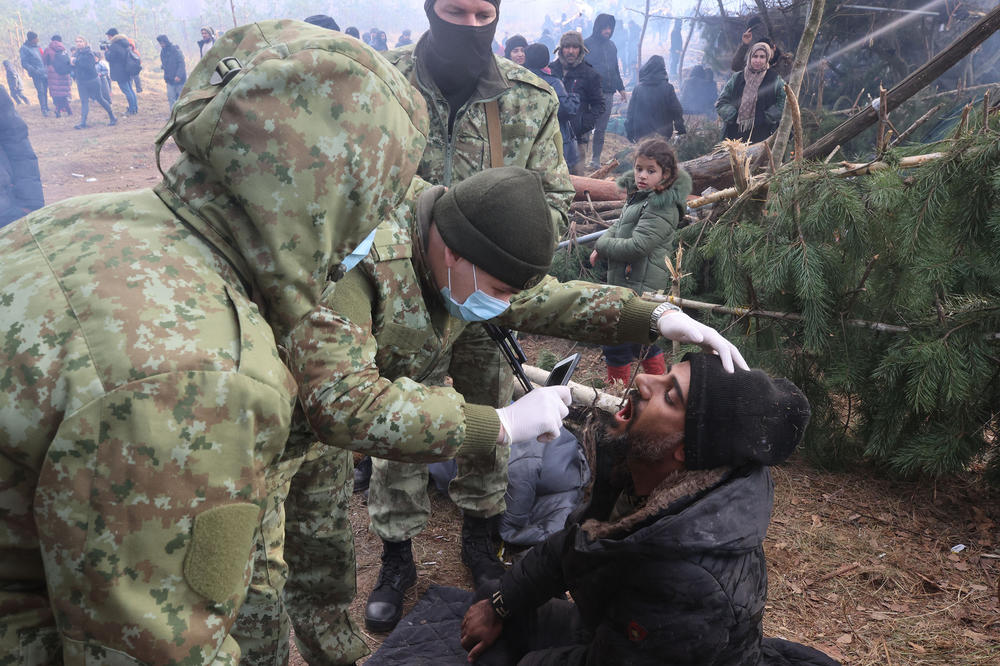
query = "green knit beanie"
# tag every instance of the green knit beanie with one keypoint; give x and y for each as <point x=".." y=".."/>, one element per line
<point x="499" y="220"/>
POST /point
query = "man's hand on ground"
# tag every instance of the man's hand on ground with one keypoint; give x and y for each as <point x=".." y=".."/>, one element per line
<point x="481" y="627"/>
<point x="538" y="414"/>
<point x="678" y="326"/>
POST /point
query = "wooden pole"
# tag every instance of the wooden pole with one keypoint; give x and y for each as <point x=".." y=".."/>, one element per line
<point x="680" y="65"/>
<point x="642" y="35"/>
<point x="920" y="121"/>
<point x="911" y="85"/>
<point x="799" y="67"/>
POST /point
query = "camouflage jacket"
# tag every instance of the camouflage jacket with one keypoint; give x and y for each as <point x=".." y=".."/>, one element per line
<point x="142" y="397"/>
<point x="528" y="117"/>
<point x="368" y="359"/>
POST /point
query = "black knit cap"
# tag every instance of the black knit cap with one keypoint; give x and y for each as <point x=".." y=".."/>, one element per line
<point x="499" y="220"/>
<point x="536" y="56"/>
<point x="740" y="418"/>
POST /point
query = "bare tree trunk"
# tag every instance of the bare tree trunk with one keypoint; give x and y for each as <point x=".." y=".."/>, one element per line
<point x="911" y="85"/>
<point x="642" y="35"/>
<point x="135" y="24"/>
<point x="680" y="65"/>
<point x="232" y="8"/>
<point x="802" y="54"/>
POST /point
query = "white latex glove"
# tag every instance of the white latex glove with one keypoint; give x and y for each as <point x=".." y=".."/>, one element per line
<point x="678" y="326"/>
<point x="539" y="414"/>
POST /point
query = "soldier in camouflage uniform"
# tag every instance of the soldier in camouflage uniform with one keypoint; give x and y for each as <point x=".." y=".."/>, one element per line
<point x="143" y="403"/>
<point x="453" y="67"/>
<point x="458" y="147"/>
<point x="382" y="338"/>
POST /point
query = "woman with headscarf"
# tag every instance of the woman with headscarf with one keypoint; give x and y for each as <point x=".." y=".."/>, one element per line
<point x="753" y="100"/>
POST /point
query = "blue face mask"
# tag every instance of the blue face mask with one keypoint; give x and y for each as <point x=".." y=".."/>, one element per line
<point x="359" y="253"/>
<point x="479" y="306"/>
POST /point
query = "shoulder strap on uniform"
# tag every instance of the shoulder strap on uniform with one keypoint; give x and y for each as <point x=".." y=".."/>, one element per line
<point x="494" y="134"/>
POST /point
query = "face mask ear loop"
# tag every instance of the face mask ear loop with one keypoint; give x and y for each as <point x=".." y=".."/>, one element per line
<point x="475" y="283"/>
<point x="449" y="280"/>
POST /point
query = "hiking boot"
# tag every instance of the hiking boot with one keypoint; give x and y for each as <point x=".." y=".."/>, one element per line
<point x="113" y="121"/>
<point x="479" y="552"/>
<point x="397" y="575"/>
<point x="363" y="475"/>
<point x="80" y="126"/>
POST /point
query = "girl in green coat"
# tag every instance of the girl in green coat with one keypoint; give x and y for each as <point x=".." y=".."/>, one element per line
<point x="635" y="247"/>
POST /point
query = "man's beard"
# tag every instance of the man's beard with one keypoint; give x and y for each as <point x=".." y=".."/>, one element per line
<point x="646" y="447"/>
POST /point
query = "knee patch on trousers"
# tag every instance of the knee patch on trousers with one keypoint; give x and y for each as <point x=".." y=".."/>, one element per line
<point x="221" y="541"/>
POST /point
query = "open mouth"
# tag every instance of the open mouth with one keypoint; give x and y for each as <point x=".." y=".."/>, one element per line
<point x="625" y="414"/>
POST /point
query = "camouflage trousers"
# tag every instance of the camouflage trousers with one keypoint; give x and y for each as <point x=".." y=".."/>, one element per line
<point x="397" y="498"/>
<point x="304" y="566"/>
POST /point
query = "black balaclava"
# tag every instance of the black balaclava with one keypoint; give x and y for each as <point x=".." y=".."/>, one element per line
<point x="457" y="55"/>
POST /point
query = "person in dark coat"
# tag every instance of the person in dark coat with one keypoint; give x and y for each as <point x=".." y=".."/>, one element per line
<point x="699" y="92"/>
<point x="672" y="571"/>
<point x="654" y="108"/>
<point x="31" y="60"/>
<point x="603" y="56"/>
<point x="536" y="59"/>
<point x="118" y="59"/>
<point x="405" y="39"/>
<point x="513" y="49"/>
<point x="14" y="82"/>
<point x="582" y="80"/>
<point x="20" y="181"/>
<point x="87" y="82"/>
<point x="60" y="84"/>
<point x="174" y="72"/>
<point x="753" y="100"/>
<point x="323" y="21"/>
<point x="755" y="32"/>
<point x="380" y="42"/>
<point x="207" y="40"/>
<point x="353" y="32"/>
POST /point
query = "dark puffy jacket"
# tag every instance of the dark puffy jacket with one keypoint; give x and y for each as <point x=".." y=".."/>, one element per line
<point x="687" y="584"/>
<point x="31" y="60"/>
<point x="585" y="82"/>
<point x="603" y="55"/>
<point x="636" y="245"/>
<point x="84" y="65"/>
<point x="60" y="85"/>
<point x="117" y="55"/>
<point x="699" y="92"/>
<point x="654" y="107"/>
<point x="20" y="181"/>
<point x="767" y="112"/>
<point x="172" y="61"/>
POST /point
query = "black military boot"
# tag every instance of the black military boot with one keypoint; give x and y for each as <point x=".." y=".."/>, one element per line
<point x="478" y="550"/>
<point x="397" y="575"/>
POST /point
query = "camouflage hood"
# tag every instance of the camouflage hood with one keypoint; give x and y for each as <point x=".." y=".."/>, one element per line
<point x="295" y="143"/>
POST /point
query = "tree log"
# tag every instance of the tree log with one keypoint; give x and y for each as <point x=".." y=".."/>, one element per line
<point x="712" y="170"/>
<point x="911" y="85"/>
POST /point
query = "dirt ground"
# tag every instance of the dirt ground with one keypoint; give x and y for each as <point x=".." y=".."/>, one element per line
<point x="867" y="569"/>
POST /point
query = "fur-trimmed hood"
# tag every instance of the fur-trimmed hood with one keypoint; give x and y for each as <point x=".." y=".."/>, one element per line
<point x="675" y="194"/>
<point x="692" y="511"/>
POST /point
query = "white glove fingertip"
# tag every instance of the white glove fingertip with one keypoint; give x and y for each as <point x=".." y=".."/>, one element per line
<point x="739" y="359"/>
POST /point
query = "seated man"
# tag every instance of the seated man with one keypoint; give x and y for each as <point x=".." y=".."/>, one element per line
<point x="674" y="572"/>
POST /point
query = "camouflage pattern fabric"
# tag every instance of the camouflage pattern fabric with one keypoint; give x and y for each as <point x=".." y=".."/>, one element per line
<point x="376" y="340"/>
<point x="143" y="403"/>
<point x="531" y="139"/>
<point x="319" y="593"/>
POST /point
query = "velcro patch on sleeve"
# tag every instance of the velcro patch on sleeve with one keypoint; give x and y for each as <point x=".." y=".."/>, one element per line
<point x="221" y="543"/>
